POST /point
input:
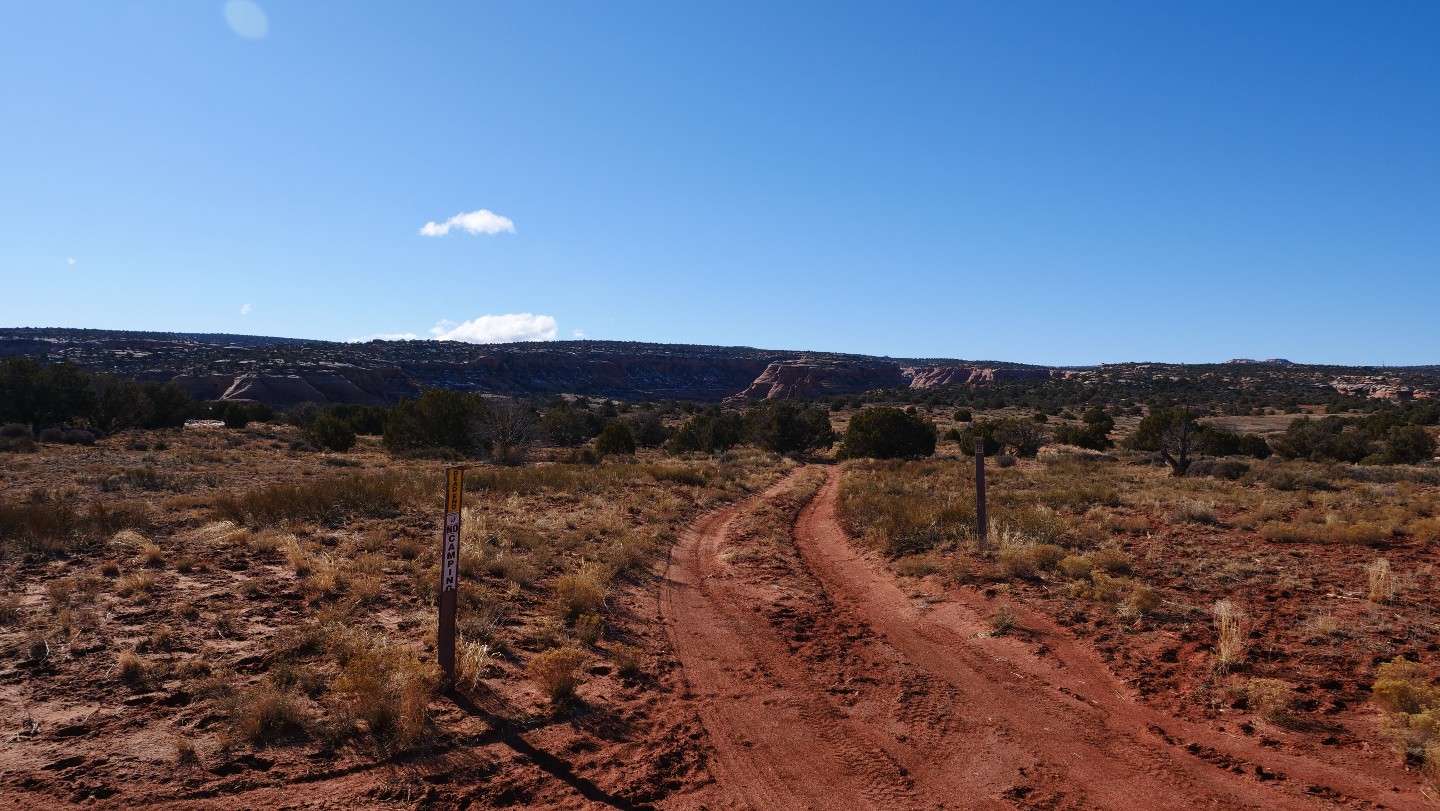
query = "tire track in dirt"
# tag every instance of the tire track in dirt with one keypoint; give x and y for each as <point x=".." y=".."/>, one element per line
<point x="1066" y="713"/>
<point x="821" y="686"/>
<point x="778" y="742"/>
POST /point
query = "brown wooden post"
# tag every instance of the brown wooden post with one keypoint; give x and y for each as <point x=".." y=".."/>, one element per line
<point x="982" y="527"/>
<point x="450" y="570"/>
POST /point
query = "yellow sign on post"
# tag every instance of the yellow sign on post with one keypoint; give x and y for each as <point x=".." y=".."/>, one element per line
<point x="450" y="569"/>
<point x="455" y="483"/>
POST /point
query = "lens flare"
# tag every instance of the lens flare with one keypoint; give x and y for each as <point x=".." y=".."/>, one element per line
<point x="246" y="19"/>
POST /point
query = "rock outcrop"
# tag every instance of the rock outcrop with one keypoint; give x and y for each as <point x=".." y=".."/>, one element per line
<point x="817" y="379"/>
<point x="931" y="377"/>
<point x="809" y="379"/>
<point x="1380" y="388"/>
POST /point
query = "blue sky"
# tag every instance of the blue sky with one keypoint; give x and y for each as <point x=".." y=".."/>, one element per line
<point x="1064" y="183"/>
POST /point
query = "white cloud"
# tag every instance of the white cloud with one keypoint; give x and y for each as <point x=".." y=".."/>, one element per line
<point x="579" y="333"/>
<point x="70" y="260"/>
<point x="245" y="309"/>
<point x="474" y="222"/>
<point x="386" y="336"/>
<point x="495" y="329"/>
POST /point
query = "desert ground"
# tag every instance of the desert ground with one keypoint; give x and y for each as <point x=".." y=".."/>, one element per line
<point x="211" y="618"/>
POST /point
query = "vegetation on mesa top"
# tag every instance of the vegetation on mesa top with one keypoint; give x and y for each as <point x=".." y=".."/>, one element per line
<point x="71" y="405"/>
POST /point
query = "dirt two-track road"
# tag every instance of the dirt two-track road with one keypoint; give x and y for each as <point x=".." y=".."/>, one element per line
<point x="822" y="685"/>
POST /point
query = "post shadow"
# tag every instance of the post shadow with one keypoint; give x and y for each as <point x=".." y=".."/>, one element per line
<point x="505" y="735"/>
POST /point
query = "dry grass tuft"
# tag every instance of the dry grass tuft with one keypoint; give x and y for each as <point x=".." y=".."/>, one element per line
<point x="1114" y="561"/>
<point x="1143" y="601"/>
<point x="131" y="668"/>
<point x="557" y="672"/>
<point x="266" y="714"/>
<point x="386" y="688"/>
<point x="919" y="565"/>
<point x="1230" y="638"/>
<point x="151" y="555"/>
<point x="1382" y="581"/>
<point x="581" y="592"/>
<point x="1076" y="567"/>
<point x="473" y="663"/>
<point x="137" y="585"/>
<point x="1003" y="620"/>
<point x="1195" y="512"/>
<point x="10" y="609"/>
<point x="589" y="628"/>
<point x="328" y="501"/>
<point x="185" y="751"/>
<point x="629" y="660"/>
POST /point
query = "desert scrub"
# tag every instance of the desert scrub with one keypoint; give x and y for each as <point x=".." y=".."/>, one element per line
<point x="556" y="672"/>
<point x="61" y="527"/>
<point x="1271" y="700"/>
<point x="130" y="668"/>
<point x="905" y="508"/>
<point x="1412" y="707"/>
<point x="1195" y="512"/>
<point x="1076" y="567"/>
<point x="1142" y="601"/>
<point x="629" y="660"/>
<point x="9" y="609"/>
<point x="581" y="592"/>
<point x="1327" y="532"/>
<point x="1028" y="560"/>
<point x="383" y="687"/>
<point x="919" y="565"/>
<point x="329" y="501"/>
<point x="266" y="714"/>
<point x="589" y="628"/>
<point x="1003" y="620"/>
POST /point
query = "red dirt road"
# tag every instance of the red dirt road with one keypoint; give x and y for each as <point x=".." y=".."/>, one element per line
<point x="822" y="685"/>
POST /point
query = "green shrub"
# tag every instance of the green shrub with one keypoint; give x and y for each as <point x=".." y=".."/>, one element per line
<point x="983" y="431"/>
<point x="782" y="426"/>
<point x="331" y="433"/>
<point x="1320" y="440"/>
<point x="440" y="418"/>
<point x="887" y="433"/>
<point x="713" y="430"/>
<point x="616" y="440"/>
<point x="1090" y="437"/>
<point x="1406" y="445"/>
<point x="235" y="416"/>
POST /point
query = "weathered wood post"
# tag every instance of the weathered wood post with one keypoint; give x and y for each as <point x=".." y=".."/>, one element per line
<point x="981" y="525"/>
<point x="450" y="570"/>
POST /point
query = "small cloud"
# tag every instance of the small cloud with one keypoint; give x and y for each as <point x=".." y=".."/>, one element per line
<point x="247" y="19"/>
<point x="495" y="329"/>
<point x="245" y="309"/>
<point x="386" y="336"/>
<point x="70" y="260"/>
<point x="579" y="333"/>
<point x="474" y="222"/>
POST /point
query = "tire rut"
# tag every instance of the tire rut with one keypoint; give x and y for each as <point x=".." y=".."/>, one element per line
<point x="820" y="685"/>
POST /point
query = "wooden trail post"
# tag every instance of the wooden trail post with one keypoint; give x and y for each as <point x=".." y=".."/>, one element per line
<point x="982" y="526"/>
<point x="450" y="570"/>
